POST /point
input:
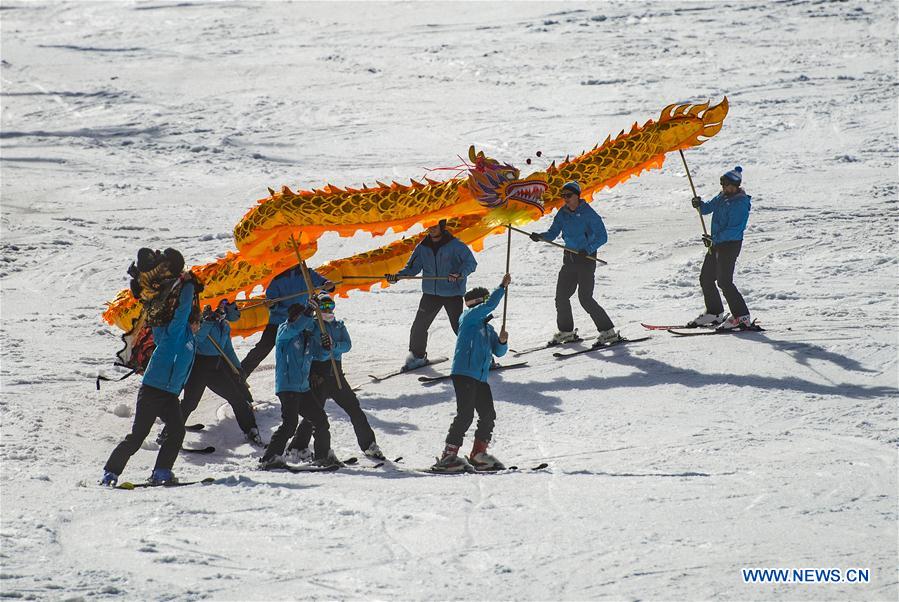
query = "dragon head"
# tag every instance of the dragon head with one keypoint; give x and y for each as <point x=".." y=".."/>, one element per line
<point x="494" y="184"/>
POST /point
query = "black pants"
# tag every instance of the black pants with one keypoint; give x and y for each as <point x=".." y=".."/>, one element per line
<point x="719" y="266"/>
<point x="212" y="371"/>
<point x="294" y="405"/>
<point x="577" y="273"/>
<point x="428" y="308"/>
<point x="152" y="403"/>
<point x="471" y="395"/>
<point x="324" y="387"/>
<point x="258" y="353"/>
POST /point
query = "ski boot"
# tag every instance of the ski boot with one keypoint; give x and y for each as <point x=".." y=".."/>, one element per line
<point x="162" y="476"/>
<point x="707" y="320"/>
<point x="329" y="460"/>
<point x="733" y="323"/>
<point x="268" y="462"/>
<point x="296" y="455"/>
<point x="564" y="336"/>
<point x="481" y="460"/>
<point x="374" y="452"/>
<point x="110" y="479"/>
<point x="607" y="337"/>
<point x="452" y="461"/>
<point x="254" y="438"/>
<point x="413" y="361"/>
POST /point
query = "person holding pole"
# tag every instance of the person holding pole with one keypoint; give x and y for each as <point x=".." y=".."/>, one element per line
<point x="293" y="359"/>
<point x="730" y="213"/>
<point x="583" y="232"/>
<point x="216" y="366"/>
<point x="335" y="340"/>
<point x="476" y="345"/>
<point x="286" y="284"/>
<point x="446" y="263"/>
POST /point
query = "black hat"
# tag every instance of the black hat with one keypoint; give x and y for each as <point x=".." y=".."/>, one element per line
<point x="478" y="294"/>
<point x="147" y="259"/>
<point x="175" y="260"/>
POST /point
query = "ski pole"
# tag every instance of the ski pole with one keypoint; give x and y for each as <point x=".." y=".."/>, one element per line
<point x="318" y="311"/>
<point x="237" y="375"/>
<point x="381" y="277"/>
<point x="254" y="303"/>
<point x="555" y="244"/>
<point x="693" y="188"/>
<point x="508" y="258"/>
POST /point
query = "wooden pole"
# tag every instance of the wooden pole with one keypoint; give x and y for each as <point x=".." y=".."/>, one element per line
<point x="693" y="188"/>
<point x="318" y="311"/>
<point x="555" y="244"/>
<point x="508" y="259"/>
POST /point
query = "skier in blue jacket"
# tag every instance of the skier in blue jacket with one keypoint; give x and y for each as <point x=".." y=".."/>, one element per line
<point x="583" y="231"/>
<point x="293" y="359"/>
<point x="169" y="367"/>
<point x="730" y="214"/>
<point x="286" y="284"/>
<point x="449" y="262"/>
<point x="211" y="370"/>
<point x="336" y="340"/>
<point x="476" y="345"/>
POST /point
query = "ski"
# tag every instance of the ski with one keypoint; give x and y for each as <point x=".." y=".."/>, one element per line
<point x="129" y="486"/>
<point x="375" y="378"/>
<point x="506" y="470"/>
<point x="599" y="347"/>
<point x="194" y="427"/>
<point x="666" y="326"/>
<point x="301" y="468"/>
<point x="494" y="368"/>
<point x="550" y="346"/>
<point x="199" y="450"/>
<point x="752" y="328"/>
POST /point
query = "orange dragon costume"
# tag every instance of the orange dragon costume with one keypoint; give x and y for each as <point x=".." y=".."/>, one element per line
<point x="492" y="195"/>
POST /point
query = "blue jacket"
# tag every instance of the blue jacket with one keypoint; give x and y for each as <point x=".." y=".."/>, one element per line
<point x="729" y="216"/>
<point x="173" y="357"/>
<point x="478" y="342"/>
<point x="220" y="331"/>
<point x="581" y="229"/>
<point x="447" y="256"/>
<point x="340" y="341"/>
<point x="293" y="355"/>
<point x="289" y="283"/>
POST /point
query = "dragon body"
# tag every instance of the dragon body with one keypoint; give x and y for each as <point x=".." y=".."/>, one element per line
<point x="492" y="195"/>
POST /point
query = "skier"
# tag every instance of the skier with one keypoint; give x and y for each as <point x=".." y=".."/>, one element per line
<point x="438" y="255"/>
<point x="211" y="370"/>
<point x="730" y="213"/>
<point x="336" y="341"/>
<point x="287" y="283"/>
<point x="293" y="358"/>
<point x="174" y="333"/>
<point x="476" y="345"/>
<point x="582" y="230"/>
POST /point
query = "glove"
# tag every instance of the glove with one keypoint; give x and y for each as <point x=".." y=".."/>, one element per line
<point x="294" y="312"/>
<point x="697" y="202"/>
<point x="326" y="341"/>
<point x="707" y="241"/>
<point x="392" y="278"/>
<point x="536" y="237"/>
<point x="311" y="307"/>
<point x="209" y="315"/>
<point x="454" y="277"/>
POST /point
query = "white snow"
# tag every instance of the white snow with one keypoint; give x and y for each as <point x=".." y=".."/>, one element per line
<point x="673" y="463"/>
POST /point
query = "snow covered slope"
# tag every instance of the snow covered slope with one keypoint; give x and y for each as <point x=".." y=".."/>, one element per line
<point x="674" y="463"/>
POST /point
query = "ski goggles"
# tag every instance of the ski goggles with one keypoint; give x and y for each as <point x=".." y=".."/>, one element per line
<point x="326" y="305"/>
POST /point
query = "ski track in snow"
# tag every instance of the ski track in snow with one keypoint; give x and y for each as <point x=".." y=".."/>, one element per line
<point x="673" y="463"/>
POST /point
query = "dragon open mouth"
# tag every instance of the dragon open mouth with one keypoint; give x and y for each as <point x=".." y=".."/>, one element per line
<point x="527" y="191"/>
